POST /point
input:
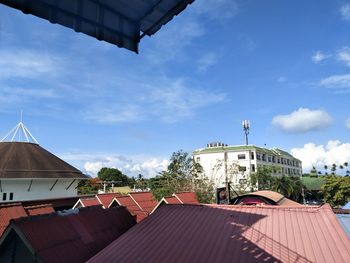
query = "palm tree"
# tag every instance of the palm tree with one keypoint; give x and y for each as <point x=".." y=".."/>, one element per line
<point x="334" y="168"/>
<point x="326" y="168"/>
<point x="282" y="184"/>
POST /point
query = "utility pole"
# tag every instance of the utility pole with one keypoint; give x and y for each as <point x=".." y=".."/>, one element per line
<point x="246" y="126"/>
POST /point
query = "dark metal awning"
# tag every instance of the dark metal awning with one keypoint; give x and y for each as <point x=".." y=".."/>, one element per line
<point x="120" y="22"/>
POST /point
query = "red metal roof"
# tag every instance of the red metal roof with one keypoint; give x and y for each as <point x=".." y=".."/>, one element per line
<point x="203" y="233"/>
<point x="187" y="197"/>
<point x="132" y="207"/>
<point x="106" y="199"/>
<point x="145" y="200"/>
<point x="85" y="202"/>
<point x="74" y="237"/>
<point x="39" y="209"/>
<point x="8" y="212"/>
<point x="171" y="200"/>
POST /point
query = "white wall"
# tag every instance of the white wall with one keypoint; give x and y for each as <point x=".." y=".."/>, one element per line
<point x="40" y="189"/>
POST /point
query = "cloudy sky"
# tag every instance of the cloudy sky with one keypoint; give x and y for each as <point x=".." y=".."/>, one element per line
<point x="284" y="65"/>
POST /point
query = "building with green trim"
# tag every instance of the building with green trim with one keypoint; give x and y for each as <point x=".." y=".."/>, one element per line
<point x="234" y="163"/>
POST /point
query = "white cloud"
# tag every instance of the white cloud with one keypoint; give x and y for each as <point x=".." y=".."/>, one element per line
<point x="133" y="165"/>
<point x="168" y="100"/>
<point x="345" y="11"/>
<point x="302" y="120"/>
<point x="319" y="155"/>
<point x="206" y="61"/>
<point x="340" y="82"/>
<point x="26" y="63"/>
<point x="347" y="123"/>
<point x="343" y="55"/>
<point x="319" y="56"/>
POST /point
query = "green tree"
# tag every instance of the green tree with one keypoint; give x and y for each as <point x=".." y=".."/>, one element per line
<point x="90" y="186"/>
<point x="283" y="184"/>
<point x="182" y="174"/>
<point x="262" y="178"/>
<point x="113" y="174"/>
<point x="336" y="190"/>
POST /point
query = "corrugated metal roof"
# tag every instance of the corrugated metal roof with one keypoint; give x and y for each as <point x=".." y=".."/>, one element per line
<point x="29" y="160"/>
<point x="218" y="233"/>
<point x="39" y="209"/>
<point x="132" y="207"/>
<point x="117" y="22"/>
<point x="8" y="212"/>
<point x="344" y="220"/>
<point x="86" y="202"/>
<point x="106" y="199"/>
<point x="171" y="200"/>
<point x="74" y="237"/>
<point x="187" y="197"/>
<point x="145" y="200"/>
<point x="272" y="197"/>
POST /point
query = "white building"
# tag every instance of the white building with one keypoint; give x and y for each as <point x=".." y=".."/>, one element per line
<point x="29" y="172"/>
<point x="223" y="163"/>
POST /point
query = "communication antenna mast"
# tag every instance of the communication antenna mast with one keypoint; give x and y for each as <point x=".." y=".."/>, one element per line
<point x="246" y="126"/>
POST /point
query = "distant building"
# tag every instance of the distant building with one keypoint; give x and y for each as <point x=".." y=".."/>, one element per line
<point x="234" y="163"/>
<point x="29" y="172"/>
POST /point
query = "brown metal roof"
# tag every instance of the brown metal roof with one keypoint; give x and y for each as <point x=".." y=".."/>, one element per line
<point x="203" y="233"/>
<point x="70" y="238"/>
<point x="29" y="160"/>
<point x="274" y="198"/>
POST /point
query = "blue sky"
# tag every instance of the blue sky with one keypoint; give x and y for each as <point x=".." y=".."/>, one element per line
<point x="284" y="65"/>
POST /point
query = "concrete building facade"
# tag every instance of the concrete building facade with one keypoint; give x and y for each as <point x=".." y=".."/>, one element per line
<point x="223" y="163"/>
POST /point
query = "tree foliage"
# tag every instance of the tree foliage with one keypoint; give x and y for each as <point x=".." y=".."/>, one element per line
<point x="113" y="174"/>
<point x="182" y="174"/>
<point x="90" y="186"/>
<point x="289" y="186"/>
<point x="336" y="190"/>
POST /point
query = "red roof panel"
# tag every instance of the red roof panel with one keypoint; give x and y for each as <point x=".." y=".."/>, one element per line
<point x="171" y="200"/>
<point x="187" y="197"/>
<point x="75" y="237"/>
<point x="145" y="200"/>
<point x="132" y="207"/>
<point x="106" y="199"/>
<point x="214" y="233"/>
<point x="39" y="209"/>
<point x="8" y="212"/>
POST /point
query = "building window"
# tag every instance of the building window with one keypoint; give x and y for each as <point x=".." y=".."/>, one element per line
<point x="4" y="196"/>
<point x="258" y="157"/>
<point x="241" y="156"/>
<point x="273" y="159"/>
<point x="263" y="157"/>
<point x="242" y="168"/>
<point x="198" y="159"/>
<point x="269" y="158"/>
<point x="278" y="160"/>
<point x="11" y="196"/>
<point x="252" y="155"/>
<point x="253" y="168"/>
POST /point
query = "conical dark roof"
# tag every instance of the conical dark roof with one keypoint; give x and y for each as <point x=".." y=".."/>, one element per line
<point x="29" y="160"/>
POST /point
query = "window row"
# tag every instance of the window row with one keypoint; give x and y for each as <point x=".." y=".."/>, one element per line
<point x="274" y="159"/>
<point x="4" y="196"/>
